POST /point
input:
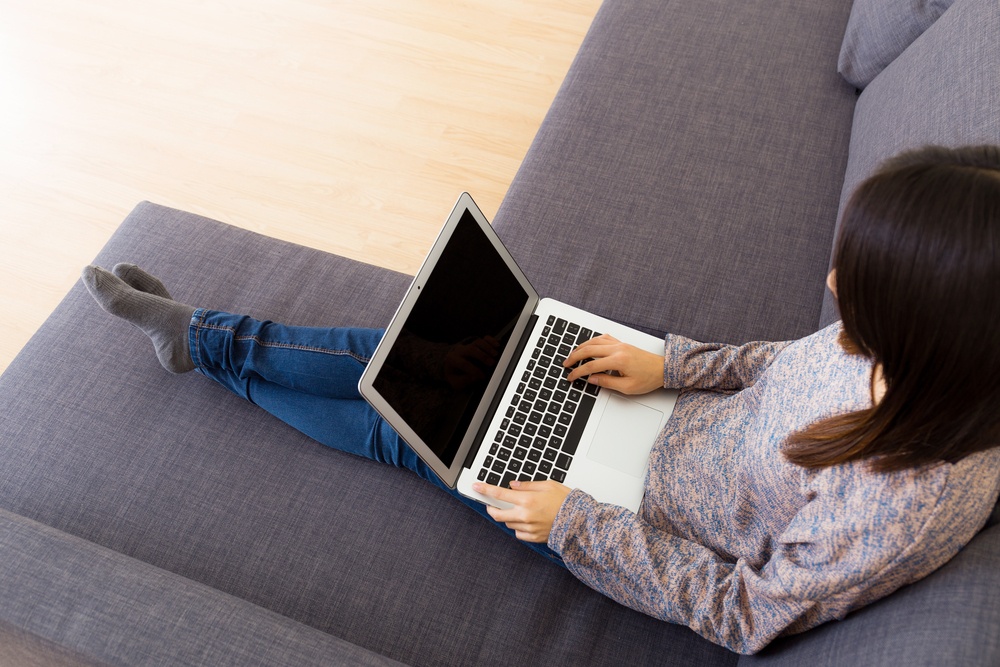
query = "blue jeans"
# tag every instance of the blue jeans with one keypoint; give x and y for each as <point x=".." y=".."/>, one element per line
<point x="308" y="378"/>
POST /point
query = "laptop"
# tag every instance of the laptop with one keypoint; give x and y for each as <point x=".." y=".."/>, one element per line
<point x="470" y="375"/>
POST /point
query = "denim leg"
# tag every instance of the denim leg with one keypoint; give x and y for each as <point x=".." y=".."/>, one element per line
<point x="308" y="378"/>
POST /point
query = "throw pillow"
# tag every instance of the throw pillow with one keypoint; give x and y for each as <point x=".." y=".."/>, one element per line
<point x="879" y="30"/>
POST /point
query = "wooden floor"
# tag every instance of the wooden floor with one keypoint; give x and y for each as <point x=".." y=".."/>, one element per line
<point x="342" y="125"/>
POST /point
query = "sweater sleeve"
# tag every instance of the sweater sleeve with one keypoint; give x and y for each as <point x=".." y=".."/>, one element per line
<point x="834" y="556"/>
<point x="690" y="364"/>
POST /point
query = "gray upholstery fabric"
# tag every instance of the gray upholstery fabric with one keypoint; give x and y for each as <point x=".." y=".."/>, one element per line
<point x="950" y="618"/>
<point x="100" y="442"/>
<point x="879" y="30"/>
<point x="691" y="187"/>
<point x="945" y="89"/>
<point x="23" y="649"/>
<point x="108" y="608"/>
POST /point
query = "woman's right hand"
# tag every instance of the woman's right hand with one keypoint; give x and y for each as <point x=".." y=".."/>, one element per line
<point x="634" y="371"/>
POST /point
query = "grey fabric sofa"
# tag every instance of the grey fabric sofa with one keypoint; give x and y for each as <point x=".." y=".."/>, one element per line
<point x="687" y="179"/>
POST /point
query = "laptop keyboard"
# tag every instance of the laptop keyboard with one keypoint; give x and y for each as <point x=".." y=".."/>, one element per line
<point x="544" y="421"/>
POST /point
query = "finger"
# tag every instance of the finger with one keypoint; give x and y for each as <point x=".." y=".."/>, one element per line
<point x="528" y="536"/>
<point x="509" y="517"/>
<point x="495" y="492"/>
<point x="591" y="348"/>
<point x="596" y="365"/>
<point x="534" y="486"/>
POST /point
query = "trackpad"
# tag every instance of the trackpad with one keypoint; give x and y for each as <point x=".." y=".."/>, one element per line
<point x="625" y="435"/>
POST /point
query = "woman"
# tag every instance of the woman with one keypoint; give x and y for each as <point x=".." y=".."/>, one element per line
<point x="794" y="482"/>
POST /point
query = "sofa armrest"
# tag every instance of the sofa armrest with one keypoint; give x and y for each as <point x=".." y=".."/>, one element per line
<point x="68" y="601"/>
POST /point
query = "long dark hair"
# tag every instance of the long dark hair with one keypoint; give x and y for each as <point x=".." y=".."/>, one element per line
<point x="918" y="284"/>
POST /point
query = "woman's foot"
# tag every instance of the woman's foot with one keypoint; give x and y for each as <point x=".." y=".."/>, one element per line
<point x="139" y="279"/>
<point x="164" y="320"/>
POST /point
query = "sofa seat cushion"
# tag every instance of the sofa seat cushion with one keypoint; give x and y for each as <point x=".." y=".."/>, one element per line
<point x="102" y="443"/>
<point x="687" y="176"/>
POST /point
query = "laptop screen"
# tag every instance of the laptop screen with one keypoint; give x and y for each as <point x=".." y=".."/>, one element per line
<point x="438" y="369"/>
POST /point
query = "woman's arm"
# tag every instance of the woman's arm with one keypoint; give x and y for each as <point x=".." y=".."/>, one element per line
<point x="690" y="364"/>
<point x="835" y="556"/>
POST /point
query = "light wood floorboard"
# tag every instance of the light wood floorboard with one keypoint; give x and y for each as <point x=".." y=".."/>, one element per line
<point x="342" y="125"/>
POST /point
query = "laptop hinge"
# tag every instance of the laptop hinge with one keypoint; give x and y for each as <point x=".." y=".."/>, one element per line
<point x="501" y="390"/>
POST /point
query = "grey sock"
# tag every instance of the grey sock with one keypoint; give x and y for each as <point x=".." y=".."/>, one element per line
<point x="165" y="321"/>
<point x="141" y="280"/>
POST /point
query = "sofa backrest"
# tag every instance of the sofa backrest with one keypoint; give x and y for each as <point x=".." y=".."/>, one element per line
<point x="944" y="89"/>
<point x="687" y="176"/>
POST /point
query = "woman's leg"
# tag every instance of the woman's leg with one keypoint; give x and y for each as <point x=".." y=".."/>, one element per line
<point x="305" y="376"/>
<point x="308" y="378"/>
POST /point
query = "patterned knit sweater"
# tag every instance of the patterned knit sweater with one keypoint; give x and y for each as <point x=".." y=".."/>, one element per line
<point x="742" y="546"/>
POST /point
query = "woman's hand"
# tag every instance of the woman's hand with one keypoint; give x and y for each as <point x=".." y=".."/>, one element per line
<point x="536" y="505"/>
<point x="634" y="371"/>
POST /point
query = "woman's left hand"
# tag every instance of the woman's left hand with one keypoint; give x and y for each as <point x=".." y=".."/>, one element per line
<point x="536" y="505"/>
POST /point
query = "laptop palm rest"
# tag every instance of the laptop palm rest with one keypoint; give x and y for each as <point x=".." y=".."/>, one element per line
<point x="625" y="435"/>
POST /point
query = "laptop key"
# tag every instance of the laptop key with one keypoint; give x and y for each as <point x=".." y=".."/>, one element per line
<point x="493" y="479"/>
<point x="558" y="476"/>
<point x="563" y="461"/>
<point x="507" y="479"/>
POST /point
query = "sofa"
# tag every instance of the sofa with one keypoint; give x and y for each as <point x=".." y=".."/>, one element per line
<point x="687" y="178"/>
